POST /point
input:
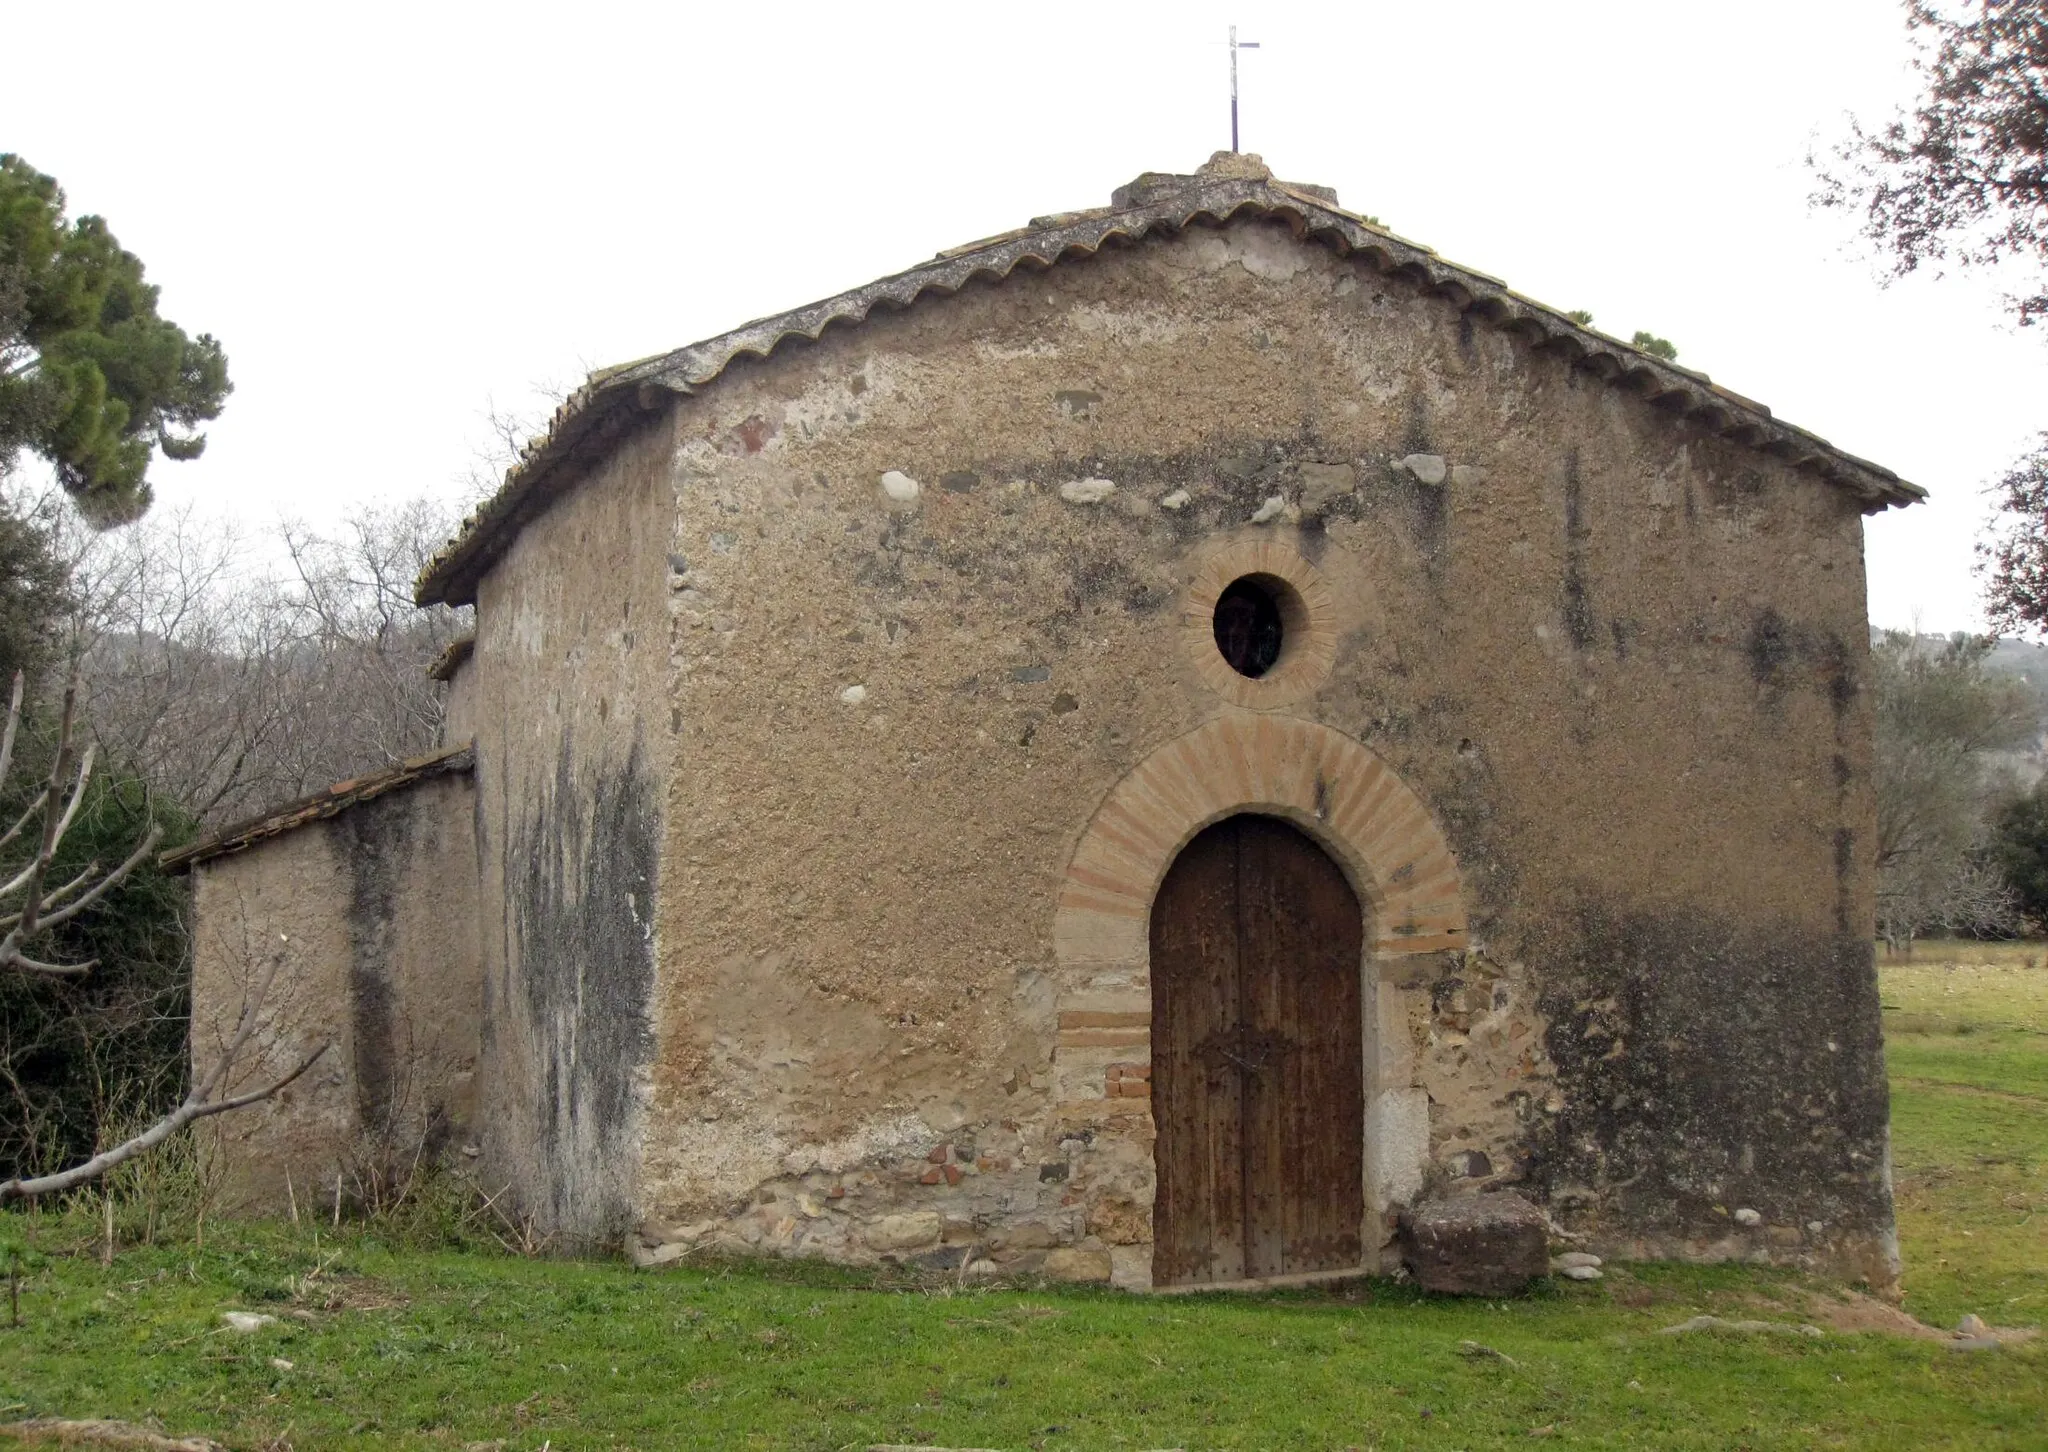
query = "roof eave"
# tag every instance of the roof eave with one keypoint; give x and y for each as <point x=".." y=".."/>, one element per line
<point x="319" y="807"/>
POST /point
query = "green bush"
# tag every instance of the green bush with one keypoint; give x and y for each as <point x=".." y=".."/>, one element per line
<point x="2019" y="848"/>
<point x="82" y="1058"/>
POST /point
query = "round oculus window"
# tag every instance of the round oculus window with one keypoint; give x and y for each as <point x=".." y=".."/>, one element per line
<point x="1251" y="626"/>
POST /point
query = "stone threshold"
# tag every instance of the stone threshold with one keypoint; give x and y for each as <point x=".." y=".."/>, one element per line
<point x="1268" y="1283"/>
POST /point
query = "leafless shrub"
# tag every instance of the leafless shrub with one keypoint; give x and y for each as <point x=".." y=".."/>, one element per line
<point x="234" y="673"/>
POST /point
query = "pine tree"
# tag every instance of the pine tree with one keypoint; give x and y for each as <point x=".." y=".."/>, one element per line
<point x="91" y="377"/>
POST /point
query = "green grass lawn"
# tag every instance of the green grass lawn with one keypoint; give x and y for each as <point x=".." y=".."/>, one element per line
<point x="1967" y="1045"/>
<point x="379" y="1346"/>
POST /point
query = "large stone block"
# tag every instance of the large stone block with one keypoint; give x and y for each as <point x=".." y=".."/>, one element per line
<point x="904" y="1232"/>
<point x="1069" y="1264"/>
<point x="1475" y="1245"/>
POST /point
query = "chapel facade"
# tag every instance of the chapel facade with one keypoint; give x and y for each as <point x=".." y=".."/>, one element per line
<point x="1135" y="750"/>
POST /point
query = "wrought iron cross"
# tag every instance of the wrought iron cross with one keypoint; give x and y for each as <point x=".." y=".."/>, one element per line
<point x="1236" y="45"/>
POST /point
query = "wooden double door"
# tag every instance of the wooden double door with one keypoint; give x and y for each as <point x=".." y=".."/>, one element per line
<point x="1257" y="1058"/>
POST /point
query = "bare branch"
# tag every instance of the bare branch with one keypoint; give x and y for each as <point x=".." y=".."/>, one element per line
<point x="205" y="1099"/>
<point x="13" y="725"/>
<point x="29" y="814"/>
<point x="39" y="911"/>
<point x="53" y="835"/>
<point x="52" y="970"/>
<point x="53" y="898"/>
<point x="31" y="881"/>
<point x="194" y="1109"/>
<point x="245" y="1025"/>
<point x="99" y="889"/>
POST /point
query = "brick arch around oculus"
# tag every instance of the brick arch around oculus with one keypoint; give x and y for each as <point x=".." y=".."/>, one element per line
<point x="1335" y="789"/>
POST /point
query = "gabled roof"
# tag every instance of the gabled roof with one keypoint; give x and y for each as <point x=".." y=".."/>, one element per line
<point x="1155" y="204"/>
<point x="320" y="806"/>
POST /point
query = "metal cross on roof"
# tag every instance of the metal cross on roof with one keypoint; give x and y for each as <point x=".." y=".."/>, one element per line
<point x="1236" y="45"/>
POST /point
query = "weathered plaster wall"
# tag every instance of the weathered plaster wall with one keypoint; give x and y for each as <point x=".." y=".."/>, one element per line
<point x="373" y="913"/>
<point x="568" y="700"/>
<point x="1618" y="659"/>
<point x="458" y="706"/>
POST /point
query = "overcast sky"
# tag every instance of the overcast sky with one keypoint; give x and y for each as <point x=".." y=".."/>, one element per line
<point x="397" y="216"/>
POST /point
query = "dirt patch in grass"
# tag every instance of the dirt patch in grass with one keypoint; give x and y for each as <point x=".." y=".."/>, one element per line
<point x="354" y="1293"/>
<point x="1852" y="1311"/>
<point x="62" y="1432"/>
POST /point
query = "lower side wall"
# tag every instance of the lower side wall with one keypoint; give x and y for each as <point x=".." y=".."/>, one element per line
<point x="1720" y="1092"/>
<point x="1604" y="1093"/>
<point x="369" y="918"/>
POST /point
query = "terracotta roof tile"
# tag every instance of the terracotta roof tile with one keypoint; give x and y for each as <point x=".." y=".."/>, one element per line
<point x="320" y="806"/>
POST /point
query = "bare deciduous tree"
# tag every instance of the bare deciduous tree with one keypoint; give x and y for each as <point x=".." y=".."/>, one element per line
<point x="231" y="682"/>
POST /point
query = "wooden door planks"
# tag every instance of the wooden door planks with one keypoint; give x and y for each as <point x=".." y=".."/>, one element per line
<point x="1198" y="1216"/>
<point x="1258" y="1066"/>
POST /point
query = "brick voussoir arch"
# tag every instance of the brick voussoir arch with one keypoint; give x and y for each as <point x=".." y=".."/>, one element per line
<point x="1328" y="784"/>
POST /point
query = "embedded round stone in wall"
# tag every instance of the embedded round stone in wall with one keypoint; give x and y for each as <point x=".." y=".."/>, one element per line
<point x="1086" y="491"/>
<point x="1250" y="624"/>
<point x="1427" y="468"/>
<point x="1475" y="1245"/>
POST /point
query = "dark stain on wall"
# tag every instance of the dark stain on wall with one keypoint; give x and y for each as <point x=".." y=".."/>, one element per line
<point x="581" y="892"/>
<point x="376" y="845"/>
<point x="1784" y="654"/>
<point x="1845" y="878"/>
<point x="487" y="1022"/>
<point x="1707" y="1064"/>
<point x="1770" y="648"/>
<point x="1577" y="607"/>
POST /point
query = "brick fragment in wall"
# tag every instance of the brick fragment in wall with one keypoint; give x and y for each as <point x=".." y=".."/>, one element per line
<point x="1127" y="1081"/>
<point x="1120" y="1220"/>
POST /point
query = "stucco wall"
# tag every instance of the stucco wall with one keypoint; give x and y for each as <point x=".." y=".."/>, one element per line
<point x="458" y="706"/>
<point x="373" y="914"/>
<point x="568" y="700"/>
<point x="1618" y="660"/>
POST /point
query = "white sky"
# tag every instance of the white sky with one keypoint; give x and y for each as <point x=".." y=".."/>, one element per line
<point x="394" y="215"/>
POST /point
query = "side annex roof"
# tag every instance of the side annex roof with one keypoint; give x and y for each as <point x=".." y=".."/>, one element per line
<point x="1228" y="188"/>
<point x="319" y="806"/>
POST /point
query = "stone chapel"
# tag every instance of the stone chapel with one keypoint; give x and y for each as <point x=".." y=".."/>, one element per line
<point x="1136" y="750"/>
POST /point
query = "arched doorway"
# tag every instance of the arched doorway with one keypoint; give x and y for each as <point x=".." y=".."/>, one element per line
<point x="1257" y="1058"/>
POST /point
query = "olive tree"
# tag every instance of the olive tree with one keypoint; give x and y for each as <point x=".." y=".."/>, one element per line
<point x="1941" y="718"/>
